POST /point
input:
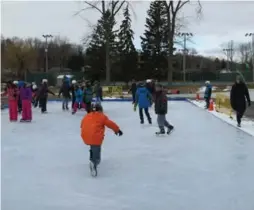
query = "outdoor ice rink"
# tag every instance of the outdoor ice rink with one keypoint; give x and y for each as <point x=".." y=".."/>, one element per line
<point x="205" y="164"/>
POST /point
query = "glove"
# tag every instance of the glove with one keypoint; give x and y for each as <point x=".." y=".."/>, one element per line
<point x="119" y="133"/>
<point x="249" y="104"/>
<point x="135" y="108"/>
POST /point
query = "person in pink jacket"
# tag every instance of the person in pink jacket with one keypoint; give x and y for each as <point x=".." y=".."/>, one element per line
<point x="26" y="100"/>
<point x="13" y="94"/>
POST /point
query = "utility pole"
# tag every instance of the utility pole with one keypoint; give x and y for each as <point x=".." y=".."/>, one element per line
<point x="185" y="51"/>
<point x="229" y="53"/>
<point x="252" y="44"/>
<point x="46" y="36"/>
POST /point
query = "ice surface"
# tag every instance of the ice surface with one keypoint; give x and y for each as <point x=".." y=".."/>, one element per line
<point x="247" y="124"/>
<point x="205" y="164"/>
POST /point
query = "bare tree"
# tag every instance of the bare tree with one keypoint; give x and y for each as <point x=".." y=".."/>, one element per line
<point x="244" y="51"/>
<point x="103" y="7"/>
<point x="173" y="11"/>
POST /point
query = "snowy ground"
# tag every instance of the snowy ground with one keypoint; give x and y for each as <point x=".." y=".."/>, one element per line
<point x="247" y="124"/>
<point x="206" y="164"/>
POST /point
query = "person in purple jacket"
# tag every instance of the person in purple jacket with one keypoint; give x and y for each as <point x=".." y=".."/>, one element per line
<point x="26" y="99"/>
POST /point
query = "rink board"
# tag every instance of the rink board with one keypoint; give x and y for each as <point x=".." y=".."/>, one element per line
<point x="115" y="100"/>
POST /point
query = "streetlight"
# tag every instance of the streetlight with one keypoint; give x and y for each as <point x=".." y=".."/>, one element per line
<point x="252" y="44"/>
<point x="185" y="35"/>
<point x="46" y="36"/>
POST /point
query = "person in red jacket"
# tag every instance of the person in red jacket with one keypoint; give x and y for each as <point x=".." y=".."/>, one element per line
<point x="93" y="131"/>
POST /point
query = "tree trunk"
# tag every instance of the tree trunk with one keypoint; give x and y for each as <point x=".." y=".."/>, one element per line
<point x="108" y="67"/>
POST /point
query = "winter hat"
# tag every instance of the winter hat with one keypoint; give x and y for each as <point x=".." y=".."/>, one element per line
<point x="207" y="82"/>
<point x="44" y="80"/>
<point x="73" y="81"/>
<point x="15" y="82"/>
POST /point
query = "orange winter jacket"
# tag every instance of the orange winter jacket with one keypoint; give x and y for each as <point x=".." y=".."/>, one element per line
<point x="93" y="128"/>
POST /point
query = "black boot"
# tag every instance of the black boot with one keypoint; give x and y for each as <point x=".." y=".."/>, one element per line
<point x="170" y="129"/>
<point x="162" y="131"/>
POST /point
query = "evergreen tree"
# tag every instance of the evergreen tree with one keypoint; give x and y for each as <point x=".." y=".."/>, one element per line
<point x="154" y="40"/>
<point x="126" y="48"/>
<point x="96" y="49"/>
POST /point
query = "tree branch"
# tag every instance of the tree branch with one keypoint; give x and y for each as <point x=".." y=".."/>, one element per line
<point x="114" y="6"/>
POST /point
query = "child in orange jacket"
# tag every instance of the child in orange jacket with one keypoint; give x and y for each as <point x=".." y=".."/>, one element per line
<point x="92" y="133"/>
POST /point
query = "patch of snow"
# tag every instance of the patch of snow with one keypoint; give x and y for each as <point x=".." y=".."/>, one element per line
<point x="247" y="124"/>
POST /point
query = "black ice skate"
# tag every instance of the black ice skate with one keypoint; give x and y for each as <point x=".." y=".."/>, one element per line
<point x="141" y="121"/>
<point x="170" y="130"/>
<point x="161" y="132"/>
<point x="93" y="169"/>
<point x="239" y="125"/>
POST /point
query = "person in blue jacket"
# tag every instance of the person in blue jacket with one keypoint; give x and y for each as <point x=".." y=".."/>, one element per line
<point x="143" y="100"/>
<point x="78" y="99"/>
<point x="208" y="93"/>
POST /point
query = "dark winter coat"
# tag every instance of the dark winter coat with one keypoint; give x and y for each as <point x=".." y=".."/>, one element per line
<point x="65" y="90"/>
<point x="43" y="91"/>
<point x="161" y="103"/>
<point x="238" y="96"/>
<point x="88" y="95"/>
<point x="133" y="89"/>
<point x="208" y="92"/>
<point x="98" y="91"/>
<point x="72" y="89"/>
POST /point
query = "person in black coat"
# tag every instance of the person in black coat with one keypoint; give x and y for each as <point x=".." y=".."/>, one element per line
<point x="72" y="89"/>
<point x="133" y="90"/>
<point x="42" y="95"/>
<point x="238" y="96"/>
<point x="65" y="91"/>
<point x="161" y="109"/>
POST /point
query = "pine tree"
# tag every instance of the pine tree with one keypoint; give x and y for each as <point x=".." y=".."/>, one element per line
<point x="96" y="49"/>
<point x="154" y="40"/>
<point x="126" y="48"/>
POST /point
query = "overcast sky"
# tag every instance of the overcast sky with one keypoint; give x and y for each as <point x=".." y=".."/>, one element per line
<point x="221" y="21"/>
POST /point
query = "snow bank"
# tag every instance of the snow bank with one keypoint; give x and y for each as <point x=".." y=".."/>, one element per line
<point x="247" y="124"/>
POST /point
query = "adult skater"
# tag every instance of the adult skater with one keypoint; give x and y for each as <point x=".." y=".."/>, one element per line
<point x="161" y="109"/>
<point x="143" y="99"/>
<point x="133" y="90"/>
<point x="26" y="99"/>
<point x="208" y="93"/>
<point x="88" y="96"/>
<point x="78" y="99"/>
<point x="94" y="135"/>
<point x="98" y="92"/>
<point x="65" y="91"/>
<point x="238" y="96"/>
<point x="73" y="98"/>
<point x="42" y="96"/>
<point x="13" y="95"/>
<point x="34" y="91"/>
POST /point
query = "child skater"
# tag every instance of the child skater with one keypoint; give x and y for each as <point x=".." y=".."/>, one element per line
<point x="42" y="96"/>
<point x="93" y="135"/>
<point x="26" y="99"/>
<point x="161" y="109"/>
<point x="73" y="98"/>
<point x="88" y="96"/>
<point x="13" y="95"/>
<point x="78" y="99"/>
<point x="143" y="99"/>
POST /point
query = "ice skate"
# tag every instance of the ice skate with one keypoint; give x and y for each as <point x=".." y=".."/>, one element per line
<point x="170" y="130"/>
<point x="93" y="169"/>
<point x="161" y="132"/>
<point x="239" y="125"/>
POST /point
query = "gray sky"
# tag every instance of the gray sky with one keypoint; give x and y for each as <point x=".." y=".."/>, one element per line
<point x="221" y="22"/>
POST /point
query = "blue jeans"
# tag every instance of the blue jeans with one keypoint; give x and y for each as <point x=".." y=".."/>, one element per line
<point x="65" y="103"/>
<point x="98" y="100"/>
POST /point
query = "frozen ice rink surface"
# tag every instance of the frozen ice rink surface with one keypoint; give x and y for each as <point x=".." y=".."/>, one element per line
<point x="205" y="164"/>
